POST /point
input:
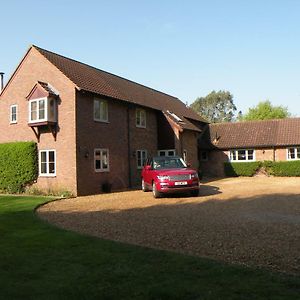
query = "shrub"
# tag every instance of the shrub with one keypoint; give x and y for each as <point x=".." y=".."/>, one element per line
<point x="18" y="166"/>
<point x="284" y="168"/>
<point x="234" y="169"/>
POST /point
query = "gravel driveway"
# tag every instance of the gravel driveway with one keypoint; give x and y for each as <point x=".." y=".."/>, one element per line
<point x="252" y="221"/>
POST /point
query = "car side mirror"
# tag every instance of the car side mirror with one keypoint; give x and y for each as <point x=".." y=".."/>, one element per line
<point x="148" y="167"/>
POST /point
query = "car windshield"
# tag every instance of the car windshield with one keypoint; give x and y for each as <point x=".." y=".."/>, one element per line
<point x="160" y="163"/>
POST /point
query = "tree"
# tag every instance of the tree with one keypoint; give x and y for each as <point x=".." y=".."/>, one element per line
<point x="265" y="111"/>
<point x="216" y="107"/>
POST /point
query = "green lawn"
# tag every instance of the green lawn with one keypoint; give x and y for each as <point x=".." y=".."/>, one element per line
<point x="39" y="261"/>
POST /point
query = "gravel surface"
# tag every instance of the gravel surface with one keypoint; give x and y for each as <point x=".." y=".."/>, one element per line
<point x="251" y="221"/>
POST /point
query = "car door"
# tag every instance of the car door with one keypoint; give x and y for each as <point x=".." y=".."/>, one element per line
<point x="147" y="173"/>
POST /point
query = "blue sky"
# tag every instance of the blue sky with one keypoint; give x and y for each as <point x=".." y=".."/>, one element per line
<point x="184" y="48"/>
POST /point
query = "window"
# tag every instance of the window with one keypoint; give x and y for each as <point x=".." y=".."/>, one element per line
<point x="140" y="118"/>
<point x="47" y="163"/>
<point x="100" y="110"/>
<point x="42" y="110"/>
<point x="101" y="158"/>
<point x="13" y="114"/>
<point x="293" y="153"/>
<point x="203" y="156"/>
<point x="168" y="152"/>
<point x="242" y="155"/>
<point x="185" y="156"/>
<point x="141" y="157"/>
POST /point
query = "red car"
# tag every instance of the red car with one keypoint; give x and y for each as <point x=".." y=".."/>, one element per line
<point x="169" y="175"/>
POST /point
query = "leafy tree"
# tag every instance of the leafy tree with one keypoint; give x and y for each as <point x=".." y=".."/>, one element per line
<point x="266" y="111"/>
<point x="216" y="107"/>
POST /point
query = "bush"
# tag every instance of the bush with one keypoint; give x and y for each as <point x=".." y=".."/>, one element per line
<point x="18" y="166"/>
<point x="284" y="168"/>
<point x="234" y="169"/>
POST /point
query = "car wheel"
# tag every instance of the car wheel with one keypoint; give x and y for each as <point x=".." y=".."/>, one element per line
<point x="144" y="187"/>
<point x="195" y="193"/>
<point x="155" y="192"/>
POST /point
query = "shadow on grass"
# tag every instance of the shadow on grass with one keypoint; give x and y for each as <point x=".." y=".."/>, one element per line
<point x="39" y="261"/>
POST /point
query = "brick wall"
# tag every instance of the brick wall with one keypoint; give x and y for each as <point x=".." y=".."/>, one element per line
<point x="113" y="136"/>
<point x="33" y="68"/>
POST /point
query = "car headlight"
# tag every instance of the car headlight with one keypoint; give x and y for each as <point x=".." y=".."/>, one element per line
<point x="163" y="177"/>
<point x="194" y="175"/>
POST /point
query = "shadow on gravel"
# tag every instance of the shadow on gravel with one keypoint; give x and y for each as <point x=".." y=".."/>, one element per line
<point x="261" y="231"/>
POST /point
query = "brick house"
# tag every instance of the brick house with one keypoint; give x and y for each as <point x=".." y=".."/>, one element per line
<point x="274" y="140"/>
<point x="92" y="127"/>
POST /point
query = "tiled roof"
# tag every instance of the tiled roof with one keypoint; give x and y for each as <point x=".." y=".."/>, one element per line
<point x="103" y="83"/>
<point x="268" y="133"/>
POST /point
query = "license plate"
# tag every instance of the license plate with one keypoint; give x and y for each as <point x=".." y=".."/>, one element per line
<point x="181" y="183"/>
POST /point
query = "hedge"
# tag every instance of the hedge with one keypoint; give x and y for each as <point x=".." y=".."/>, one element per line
<point x="281" y="168"/>
<point x="285" y="168"/>
<point x="18" y="166"/>
<point x="235" y="169"/>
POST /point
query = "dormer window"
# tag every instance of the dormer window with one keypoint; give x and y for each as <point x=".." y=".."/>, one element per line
<point x="42" y="110"/>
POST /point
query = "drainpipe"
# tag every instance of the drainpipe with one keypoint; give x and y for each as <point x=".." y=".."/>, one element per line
<point x="2" y="81"/>
<point x="129" y="148"/>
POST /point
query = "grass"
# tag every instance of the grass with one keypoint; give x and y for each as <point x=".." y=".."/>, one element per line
<point x="40" y="261"/>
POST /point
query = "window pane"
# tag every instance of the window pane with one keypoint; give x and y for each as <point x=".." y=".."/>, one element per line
<point x="51" y="156"/>
<point x="162" y="153"/>
<point x="241" y="154"/>
<point x="171" y="153"/>
<point x="298" y="153"/>
<point x="97" y="164"/>
<point x="97" y="109"/>
<point x="51" y="168"/>
<point x="103" y="111"/>
<point x="104" y="159"/>
<point x="33" y="111"/>
<point x="138" y="118"/>
<point x="44" y="168"/>
<point x="250" y="154"/>
<point x="292" y="153"/>
<point x="41" y="109"/>
<point x="233" y="155"/>
<point x="43" y="156"/>
<point x="143" y="118"/>
<point x="97" y="154"/>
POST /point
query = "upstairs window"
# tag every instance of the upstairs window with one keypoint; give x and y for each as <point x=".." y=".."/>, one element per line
<point x="140" y="117"/>
<point x="242" y="155"/>
<point x="42" y="110"/>
<point x="141" y="157"/>
<point x="100" y="110"/>
<point x="101" y="159"/>
<point x="47" y="162"/>
<point x="13" y="114"/>
<point x="293" y="153"/>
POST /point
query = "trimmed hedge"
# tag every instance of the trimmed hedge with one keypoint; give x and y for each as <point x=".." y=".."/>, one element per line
<point x="285" y="168"/>
<point x="18" y="166"/>
<point x="236" y="169"/>
<point x="280" y="168"/>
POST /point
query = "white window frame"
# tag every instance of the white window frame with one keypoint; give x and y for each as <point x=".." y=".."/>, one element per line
<point x="11" y="114"/>
<point x="101" y="170"/>
<point x="143" y="162"/>
<point x="167" y="151"/>
<point x="288" y="154"/>
<point x="139" y="112"/>
<point x="105" y="120"/>
<point x="38" y="107"/>
<point x="47" y="174"/>
<point x="236" y="155"/>
<point x="185" y="155"/>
